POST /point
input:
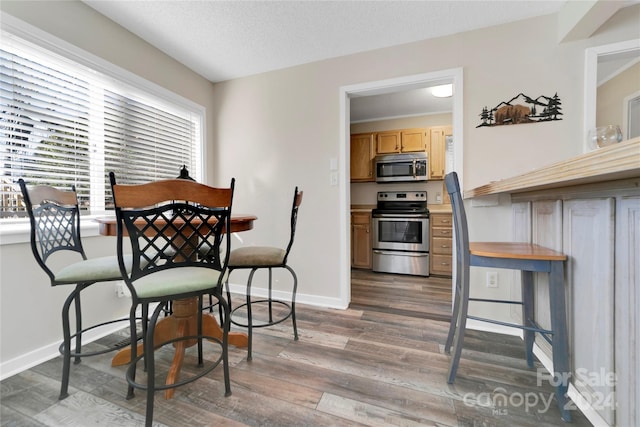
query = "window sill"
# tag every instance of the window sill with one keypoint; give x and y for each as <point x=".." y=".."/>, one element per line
<point x="18" y="232"/>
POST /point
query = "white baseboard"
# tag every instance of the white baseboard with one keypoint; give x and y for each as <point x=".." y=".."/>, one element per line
<point x="313" y="300"/>
<point x="491" y="327"/>
<point x="42" y="354"/>
<point x="49" y="351"/>
<point x="581" y="403"/>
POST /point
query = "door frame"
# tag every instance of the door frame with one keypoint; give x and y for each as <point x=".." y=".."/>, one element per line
<point x="416" y="81"/>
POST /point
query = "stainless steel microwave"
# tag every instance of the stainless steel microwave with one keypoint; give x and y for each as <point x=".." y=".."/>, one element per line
<point x="401" y="167"/>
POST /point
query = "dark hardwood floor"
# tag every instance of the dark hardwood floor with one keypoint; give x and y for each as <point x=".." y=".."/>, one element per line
<point x="379" y="363"/>
<point x="404" y="295"/>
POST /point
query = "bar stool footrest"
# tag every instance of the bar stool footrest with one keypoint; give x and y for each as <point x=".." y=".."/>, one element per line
<point x="118" y="346"/>
<point x="536" y="328"/>
<point x="159" y="387"/>
<point x="271" y="322"/>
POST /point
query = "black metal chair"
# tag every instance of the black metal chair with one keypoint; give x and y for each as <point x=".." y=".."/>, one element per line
<point x="528" y="258"/>
<point x="54" y="216"/>
<point x="168" y="224"/>
<point x="258" y="257"/>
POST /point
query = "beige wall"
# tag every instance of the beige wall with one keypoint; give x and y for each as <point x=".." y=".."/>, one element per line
<point x="610" y="96"/>
<point x="30" y="326"/>
<point x="280" y="129"/>
<point x="283" y="127"/>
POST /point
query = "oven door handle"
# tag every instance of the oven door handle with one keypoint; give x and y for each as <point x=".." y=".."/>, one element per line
<point x="400" y="215"/>
<point x="411" y="254"/>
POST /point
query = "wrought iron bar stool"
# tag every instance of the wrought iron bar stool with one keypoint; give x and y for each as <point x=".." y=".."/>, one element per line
<point x="169" y="223"/>
<point x="258" y="257"/>
<point x="54" y="216"/>
<point x="528" y="258"/>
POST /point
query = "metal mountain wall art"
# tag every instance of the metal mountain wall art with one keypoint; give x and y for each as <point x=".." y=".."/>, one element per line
<point x="522" y="109"/>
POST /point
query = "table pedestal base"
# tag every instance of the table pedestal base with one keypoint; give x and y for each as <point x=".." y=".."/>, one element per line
<point x="183" y="322"/>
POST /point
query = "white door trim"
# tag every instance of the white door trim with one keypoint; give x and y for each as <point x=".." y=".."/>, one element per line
<point x="415" y="81"/>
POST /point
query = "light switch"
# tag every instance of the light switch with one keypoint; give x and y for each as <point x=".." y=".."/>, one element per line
<point x="333" y="164"/>
<point x="333" y="178"/>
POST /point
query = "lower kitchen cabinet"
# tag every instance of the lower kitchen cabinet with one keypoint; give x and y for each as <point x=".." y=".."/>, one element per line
<point x="361" y="240"/>
<point x="599" y="232"/>
<point x="440" y="244"/>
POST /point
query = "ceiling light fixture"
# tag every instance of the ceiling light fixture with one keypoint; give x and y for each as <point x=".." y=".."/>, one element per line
<point x="442" y="91"/>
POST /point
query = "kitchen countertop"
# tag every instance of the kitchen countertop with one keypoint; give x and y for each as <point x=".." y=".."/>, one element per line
<point x="615" y="162"/>
<point x="362" y="208"/>
<point x="440" y="208"/>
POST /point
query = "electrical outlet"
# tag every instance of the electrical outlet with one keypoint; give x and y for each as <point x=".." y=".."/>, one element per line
<point x="121" y="290"/>
<point x="492" y="279"/>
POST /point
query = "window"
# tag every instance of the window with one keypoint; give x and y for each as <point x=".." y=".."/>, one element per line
<point x="63" y="123"/>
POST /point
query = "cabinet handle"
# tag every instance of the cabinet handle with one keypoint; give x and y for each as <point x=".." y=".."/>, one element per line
<point x="445" y="221"/>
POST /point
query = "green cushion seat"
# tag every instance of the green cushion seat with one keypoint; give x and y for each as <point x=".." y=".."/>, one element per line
<point x="92" y="270"/>
<point x="176" y="281"/>
<point x="256" y="256"/>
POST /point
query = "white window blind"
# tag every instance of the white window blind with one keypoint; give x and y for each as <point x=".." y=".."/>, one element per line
<point x="64" y="124"/>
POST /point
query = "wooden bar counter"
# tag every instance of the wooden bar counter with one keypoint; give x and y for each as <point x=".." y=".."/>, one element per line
<point x="613" y="163"/>
<point x="588" y="207"/>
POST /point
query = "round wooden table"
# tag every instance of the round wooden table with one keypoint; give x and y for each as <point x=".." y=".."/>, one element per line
<point x="183" y="320"/>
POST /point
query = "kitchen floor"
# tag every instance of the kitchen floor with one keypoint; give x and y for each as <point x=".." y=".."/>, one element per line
<point x="378" y="363"/>
<point x="415" y="296"/>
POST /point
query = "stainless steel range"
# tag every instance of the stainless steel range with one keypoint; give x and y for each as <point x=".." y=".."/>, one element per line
<point x="401" y="233"/>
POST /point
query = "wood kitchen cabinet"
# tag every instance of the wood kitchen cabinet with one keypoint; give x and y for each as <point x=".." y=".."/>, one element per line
<point x="440" y="244"/>
<point x="437" y="151"/>
<point x="361" y="256"/>
<point x="401" y="141"/>
<point x="363" y="150"/>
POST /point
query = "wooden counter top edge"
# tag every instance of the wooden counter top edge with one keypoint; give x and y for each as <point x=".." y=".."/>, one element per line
<point x="436" y="208"/>
<point x="619" y="161"/>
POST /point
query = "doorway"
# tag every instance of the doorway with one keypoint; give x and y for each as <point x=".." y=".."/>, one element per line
<point x="390" y="86"/>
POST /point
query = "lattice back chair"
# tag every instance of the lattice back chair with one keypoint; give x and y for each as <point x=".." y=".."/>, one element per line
<point x="168" y="224"/>
<point x="526" y="257"/>
<point x="54" y="216"/>
<point x="258" y="257"/>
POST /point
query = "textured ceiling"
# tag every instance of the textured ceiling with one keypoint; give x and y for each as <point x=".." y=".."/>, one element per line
<point x="223" y="40"/>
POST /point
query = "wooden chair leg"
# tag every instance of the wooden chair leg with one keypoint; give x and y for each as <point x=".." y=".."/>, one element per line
<point x="226" y="325"/>
<point x="250" y="316"/>
<point x="560" y="337"/>
<point x="454" y="320"/>
<point x="78" y="308"/>
<point x="458" y="338"/>
<point x="66" y="347"/>
<point x="293" y="301"/>
<point x="527" y="314"/>
<point x="131" y="371"/>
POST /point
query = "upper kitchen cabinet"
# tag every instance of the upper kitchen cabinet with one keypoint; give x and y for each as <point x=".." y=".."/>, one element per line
<point x="437" y="151"/>
<point x="401" y="141"/>
<point x="363" y="150"/>
<point x="388" y="142"/>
